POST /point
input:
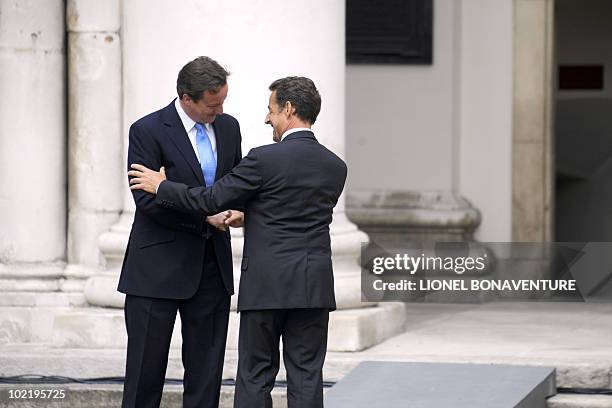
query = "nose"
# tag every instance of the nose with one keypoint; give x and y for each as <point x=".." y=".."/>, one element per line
<point x="267" y="120"/>
<point x="219" y="110"/>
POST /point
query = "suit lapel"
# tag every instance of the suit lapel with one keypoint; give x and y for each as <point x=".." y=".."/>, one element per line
<point x="179" y="137"/>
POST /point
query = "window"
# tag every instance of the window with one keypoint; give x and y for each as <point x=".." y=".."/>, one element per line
<point x="389" y="31"/>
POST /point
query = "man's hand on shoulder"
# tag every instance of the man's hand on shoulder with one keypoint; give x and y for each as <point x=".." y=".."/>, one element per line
<point x="146" y="179"/>
<point x="235" y="219"/>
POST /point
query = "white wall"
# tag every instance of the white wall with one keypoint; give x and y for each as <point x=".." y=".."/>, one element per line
<point x="485" y="112"/>
<point x="441" y="127"/>
<point x="447" y="126"/>
<point x="258" y="41"/>
<point x="400" y="118"/>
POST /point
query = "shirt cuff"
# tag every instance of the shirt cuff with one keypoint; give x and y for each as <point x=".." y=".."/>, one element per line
<point x="157" y="189"/>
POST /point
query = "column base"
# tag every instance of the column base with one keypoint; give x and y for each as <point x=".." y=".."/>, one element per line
<point x="101" y="288"/>
<point x="393" y="217"/>
<point x="76" y="276"/>
<point x="346" y="242"/>
<point x="31" y="277"/>
<point x="349" y="330"/>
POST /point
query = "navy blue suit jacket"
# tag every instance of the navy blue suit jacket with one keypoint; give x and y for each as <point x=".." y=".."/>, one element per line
<point x="165" y="253"/>
<point x="288" y="191"/>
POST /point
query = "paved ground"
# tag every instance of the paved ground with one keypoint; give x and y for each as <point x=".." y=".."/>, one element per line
<point x="576" y="338"/>
<point x="570" y="333"/>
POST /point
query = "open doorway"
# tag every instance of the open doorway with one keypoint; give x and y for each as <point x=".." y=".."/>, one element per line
<point x="583" y="137"/>
<point x="583" y="121"/>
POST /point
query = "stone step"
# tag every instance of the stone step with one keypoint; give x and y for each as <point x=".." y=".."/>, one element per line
<point x="109" y="395"/>
<point x="42" y="360"/>
<point x="349" y="329"/>
<point x="42" y="299"/>
<point x="431" y="385"/>
<point x="580" y="401"/>
<point x="19" y="359"/>
<point x="35" y="317"/>
<point x="29" y="316"/>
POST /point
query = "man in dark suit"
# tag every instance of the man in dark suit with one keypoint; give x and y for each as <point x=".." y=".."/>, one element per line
<point x="288" y="191"/>
<point x="177" y="261"/>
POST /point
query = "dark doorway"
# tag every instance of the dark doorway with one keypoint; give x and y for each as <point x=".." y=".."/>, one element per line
<point x="583" y="136"/>
<point x="583" y="120"/>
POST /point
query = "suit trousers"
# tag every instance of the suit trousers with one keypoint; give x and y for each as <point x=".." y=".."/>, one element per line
<point x="304" y="336"/>
<point x="204" y="320"/>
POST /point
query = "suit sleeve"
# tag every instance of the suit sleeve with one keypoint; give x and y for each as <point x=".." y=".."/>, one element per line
<point x="144" y="150"/>
<point x="231" y="191"/>
<point x="237" y="160"/>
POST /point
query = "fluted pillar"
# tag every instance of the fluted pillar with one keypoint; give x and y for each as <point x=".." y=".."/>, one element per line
<point x="94" y="131"/>
<point x="32" y="145"/>
<point x="247" y="100"/>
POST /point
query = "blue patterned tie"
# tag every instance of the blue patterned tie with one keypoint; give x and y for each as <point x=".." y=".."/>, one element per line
<point x="208" y="163"/>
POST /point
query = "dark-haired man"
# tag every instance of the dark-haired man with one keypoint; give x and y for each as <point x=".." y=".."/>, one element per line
<point x="288" y="190"/>
<point x="176" y="261"/>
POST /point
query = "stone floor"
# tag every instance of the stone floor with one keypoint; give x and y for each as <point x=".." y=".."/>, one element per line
<point x="575" y="338"/>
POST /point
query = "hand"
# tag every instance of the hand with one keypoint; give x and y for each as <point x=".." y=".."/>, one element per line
<point x="146" y="179"/>
<point x="235" y="218"/>
<point x="218" y="220"/>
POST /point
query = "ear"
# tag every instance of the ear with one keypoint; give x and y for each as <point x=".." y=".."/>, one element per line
<point x="289" y="109"/>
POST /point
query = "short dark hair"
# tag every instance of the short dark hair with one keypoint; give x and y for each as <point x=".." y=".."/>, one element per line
<point x="201" y="74"/>
<point x="303" y="95"/>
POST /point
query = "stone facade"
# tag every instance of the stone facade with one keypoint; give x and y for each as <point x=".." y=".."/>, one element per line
<point x="59" y="269"/>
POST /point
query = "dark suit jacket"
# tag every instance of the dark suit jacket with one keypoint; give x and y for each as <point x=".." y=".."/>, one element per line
<point x="288" y="191"/>
<point x="165" y="253"/>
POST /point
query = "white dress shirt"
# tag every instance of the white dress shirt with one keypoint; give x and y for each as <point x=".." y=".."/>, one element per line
<point x="189" y="125"/>
<point x="290" y="131"/>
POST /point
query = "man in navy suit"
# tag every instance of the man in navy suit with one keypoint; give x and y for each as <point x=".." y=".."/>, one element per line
<point x="288" y="190"/>
<point x="176" y="261"/>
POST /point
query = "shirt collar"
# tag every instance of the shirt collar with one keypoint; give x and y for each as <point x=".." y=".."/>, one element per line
<point x="188" y="123"/>
<point x="294" y="130"/>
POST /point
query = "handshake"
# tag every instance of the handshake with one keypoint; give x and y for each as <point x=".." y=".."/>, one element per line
<point x="225" y="219"/>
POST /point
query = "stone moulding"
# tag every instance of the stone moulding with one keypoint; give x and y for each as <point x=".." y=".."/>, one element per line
<point x="410" y="212"/>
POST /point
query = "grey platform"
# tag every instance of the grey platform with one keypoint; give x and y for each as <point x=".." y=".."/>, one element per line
<point x="434" y="385"/>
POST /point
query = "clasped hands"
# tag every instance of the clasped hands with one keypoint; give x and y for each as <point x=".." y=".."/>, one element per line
<point x="149" y="180"/>
<point x="229" y="218"/>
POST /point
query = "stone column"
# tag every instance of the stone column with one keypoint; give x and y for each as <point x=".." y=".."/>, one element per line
<point x="329" y="75"/>
<point x="533" y="175"/>
<point x="148" y="35"/>
<point x="94" y="131"/>
<point x="101" y="289"/>
<point x="397" y="219"/>
<point x="32" y="146"/>
<point x="330" y="127"/>
<point x="403" y="126"/>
